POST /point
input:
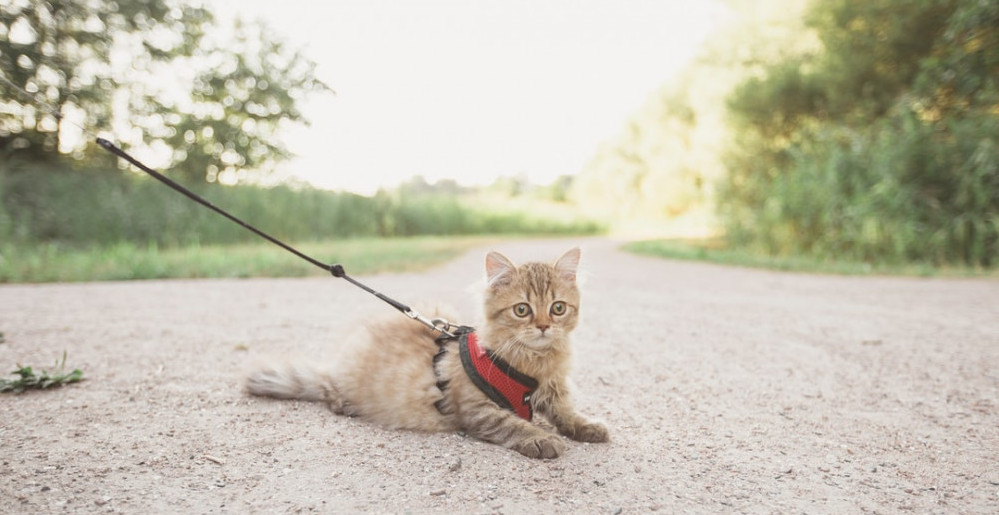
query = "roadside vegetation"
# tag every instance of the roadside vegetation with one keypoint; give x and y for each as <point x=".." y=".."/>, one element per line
<point x="853" y="136"/>
<point x="851" y="131"/>
<point x="75" y="224"/>
<point x="717" y="251"/>
<point x="124" y="261"/>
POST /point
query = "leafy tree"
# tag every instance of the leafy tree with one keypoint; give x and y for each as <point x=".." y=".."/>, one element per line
<point x="240" y="99"/>
<point x="961" y="74"/>
<point x="881" y="147"/>
<point x="871" y="54"/>
<point x="667" y="159"/>
<point x="60" y="51"/>
<point x="122" y="66"/>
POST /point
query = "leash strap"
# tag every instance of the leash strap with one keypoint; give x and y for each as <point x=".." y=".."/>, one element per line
<point x="336" y="270"/>
<point x="110" y="147"/>
<point x="443" y="326"/>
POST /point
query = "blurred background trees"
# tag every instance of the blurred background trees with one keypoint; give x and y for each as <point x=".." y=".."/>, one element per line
<point x="863" y="130"/>
<point x="880" y="148"/>
<point x="157" y="74"/>
<point x="668" y="161"/>
<point x="841" y="129"/>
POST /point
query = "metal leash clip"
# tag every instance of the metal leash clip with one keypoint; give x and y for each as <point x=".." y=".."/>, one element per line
<point x="438" y="324"/>
<point x="442" y="325"/>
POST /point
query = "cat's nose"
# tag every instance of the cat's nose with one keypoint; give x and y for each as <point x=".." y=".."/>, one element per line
<point x="543" y="328"/>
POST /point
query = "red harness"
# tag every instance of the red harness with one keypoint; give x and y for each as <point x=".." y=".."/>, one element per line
<point x="503" y="384"/>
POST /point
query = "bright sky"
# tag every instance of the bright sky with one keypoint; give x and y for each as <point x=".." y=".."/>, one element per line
<point x="472" y="90"/>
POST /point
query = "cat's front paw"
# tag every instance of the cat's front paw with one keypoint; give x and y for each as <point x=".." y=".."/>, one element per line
<point x="542" y="447"/>
<point x="593" y="432"/>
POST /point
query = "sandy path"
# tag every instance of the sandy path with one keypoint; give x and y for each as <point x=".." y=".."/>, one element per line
<point x="725" y="389"/>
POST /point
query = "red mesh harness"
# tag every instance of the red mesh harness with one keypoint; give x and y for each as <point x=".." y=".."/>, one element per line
<point x="506" y="386"/>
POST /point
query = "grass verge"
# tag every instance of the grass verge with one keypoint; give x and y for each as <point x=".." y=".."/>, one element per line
<point x="57" y="263"/>
<point x="713" y="250"/>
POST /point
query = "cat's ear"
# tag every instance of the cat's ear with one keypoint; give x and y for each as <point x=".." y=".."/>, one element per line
<point x="568" y="264"/>
<point x="499" y="269"/>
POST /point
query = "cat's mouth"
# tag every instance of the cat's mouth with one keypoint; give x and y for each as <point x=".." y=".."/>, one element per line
<point x="540" y="340"/>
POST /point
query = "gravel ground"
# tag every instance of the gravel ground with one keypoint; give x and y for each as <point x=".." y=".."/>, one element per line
<point x="726" y="390"/>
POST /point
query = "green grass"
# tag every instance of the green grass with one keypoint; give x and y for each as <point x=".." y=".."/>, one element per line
<point x="85" y="208"/>
<point x="59" y="263"/>
<point x="714" y="250"/>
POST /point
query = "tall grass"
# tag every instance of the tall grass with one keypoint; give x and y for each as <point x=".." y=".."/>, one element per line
<point x="80" y="207"/>
<point x="59" y="223"/>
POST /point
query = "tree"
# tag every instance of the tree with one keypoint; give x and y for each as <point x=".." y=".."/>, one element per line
<point x="60" y="51"/>
<point x="882" y="146"/>
<point x="667" y="159"/>
<point x="154" y="66"/>
<point x="239" y="99"/>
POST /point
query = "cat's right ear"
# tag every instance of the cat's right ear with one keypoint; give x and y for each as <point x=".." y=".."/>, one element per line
<point x="499" y="269"/>
<point x="568" y="264"/>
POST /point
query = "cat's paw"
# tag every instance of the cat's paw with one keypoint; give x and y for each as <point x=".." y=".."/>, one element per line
<point x="593" y="432"/>
<point x="542" y="447"/>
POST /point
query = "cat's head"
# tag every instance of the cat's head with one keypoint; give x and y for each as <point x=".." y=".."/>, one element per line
<point x="536" y="304"/>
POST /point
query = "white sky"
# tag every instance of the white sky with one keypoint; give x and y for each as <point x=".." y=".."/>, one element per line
<point x="471" y="90"/>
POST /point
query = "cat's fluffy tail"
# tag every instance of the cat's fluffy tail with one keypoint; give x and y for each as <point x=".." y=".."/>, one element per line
<point x="291" y="379"/>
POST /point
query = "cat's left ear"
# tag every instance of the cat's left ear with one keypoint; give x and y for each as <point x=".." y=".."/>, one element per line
<point x="568" y="264"/>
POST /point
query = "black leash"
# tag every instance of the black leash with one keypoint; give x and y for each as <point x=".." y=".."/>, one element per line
<point x="336" y="270"/>
<point x="110" y="147"/>
<point x="437" y="324"/>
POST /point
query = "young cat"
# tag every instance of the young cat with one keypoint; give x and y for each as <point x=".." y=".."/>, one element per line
<point x="402" y="375"/>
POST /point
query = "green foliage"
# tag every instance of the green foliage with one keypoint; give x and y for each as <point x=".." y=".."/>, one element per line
<point x="50" y="262"/>
<point x="59" y="50"/>
<point x="666" y="162"/>
<point x="81" y="207"/>
<point x="882" y="148"/>
<point x="717" y="250"/>
<point x="862" y="131"/>
<point x="75" y="223"/>
<point x="873" y="51"/>
<point x="239" y="100"/>
<point x="875" y="195"/>
<point x="29" y="379"/>
<point x="187" y="93"/>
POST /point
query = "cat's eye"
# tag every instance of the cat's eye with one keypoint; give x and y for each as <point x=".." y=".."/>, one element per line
<point x="558" y="308"/>
<point x="522" y="310"/>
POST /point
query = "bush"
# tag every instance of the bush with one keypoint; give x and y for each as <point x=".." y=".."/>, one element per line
<point x="901" y="191"/>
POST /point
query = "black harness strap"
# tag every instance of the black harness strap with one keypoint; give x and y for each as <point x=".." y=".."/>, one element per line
<point x="506" y="386"/>
<point x="442" y="341"/>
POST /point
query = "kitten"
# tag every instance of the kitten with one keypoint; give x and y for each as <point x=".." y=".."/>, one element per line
<point x="402" y="375"/>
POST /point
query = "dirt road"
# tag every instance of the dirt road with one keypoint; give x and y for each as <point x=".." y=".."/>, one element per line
<point x="726" y="390"/>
